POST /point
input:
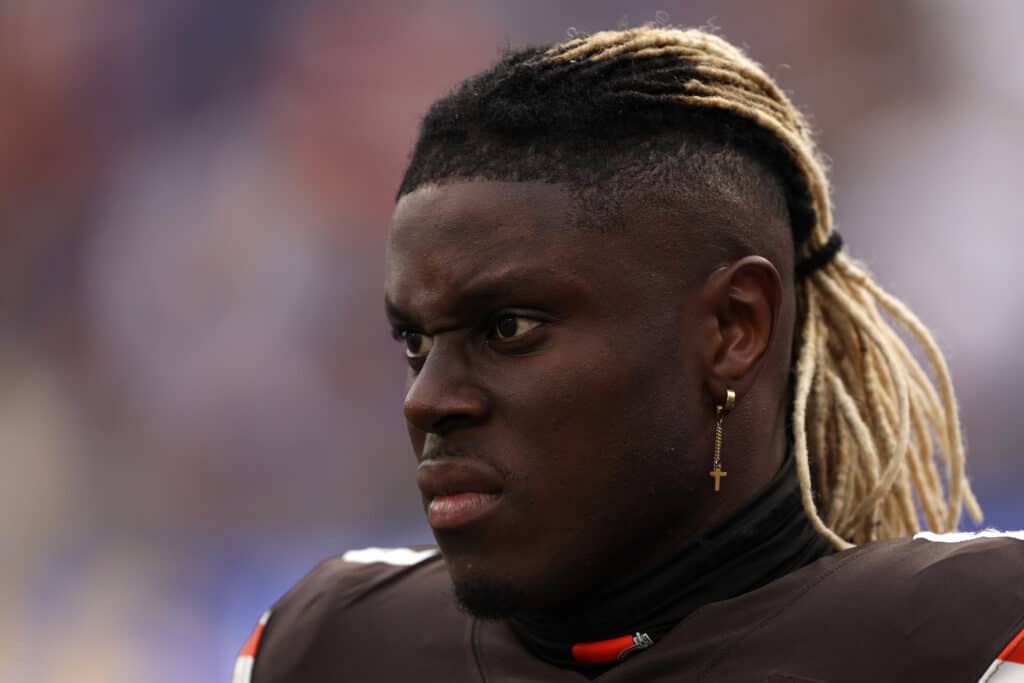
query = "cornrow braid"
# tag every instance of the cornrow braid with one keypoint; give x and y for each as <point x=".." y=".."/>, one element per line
<point x="869" y="423"/>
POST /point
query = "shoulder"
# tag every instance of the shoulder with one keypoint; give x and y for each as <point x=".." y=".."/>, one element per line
<point x="350" y="584"/>
<point x="976" y="563"/>
<point x="935" y="582"/>
<point x="935" y="607"/>
<point x="348" y="613"/>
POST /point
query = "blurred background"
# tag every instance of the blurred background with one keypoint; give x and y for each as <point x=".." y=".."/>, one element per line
<point x="198" y="395"/>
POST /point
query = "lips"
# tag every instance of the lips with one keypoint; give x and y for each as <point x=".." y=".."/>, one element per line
<point x="458" y="492"/>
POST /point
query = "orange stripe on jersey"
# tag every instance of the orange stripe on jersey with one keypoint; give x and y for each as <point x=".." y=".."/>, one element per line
<point x="1014" y="652"/>
<point x="601" y="651"/>
<point x="247" y="657"/>
<point x="252" y="644"/>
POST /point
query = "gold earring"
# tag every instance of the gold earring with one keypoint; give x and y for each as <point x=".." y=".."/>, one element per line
<point x="721" y="410"/>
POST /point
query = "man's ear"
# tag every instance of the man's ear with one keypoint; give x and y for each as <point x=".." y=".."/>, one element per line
<point x="741" y="303"/>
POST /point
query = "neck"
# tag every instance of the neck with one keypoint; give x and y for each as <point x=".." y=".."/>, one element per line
<point x="767" y="538"/>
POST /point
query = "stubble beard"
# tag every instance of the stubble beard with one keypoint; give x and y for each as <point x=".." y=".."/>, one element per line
<point x="488" y="599"/>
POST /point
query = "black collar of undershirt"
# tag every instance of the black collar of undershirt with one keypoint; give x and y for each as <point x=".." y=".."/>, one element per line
<point x="766" y="539"/>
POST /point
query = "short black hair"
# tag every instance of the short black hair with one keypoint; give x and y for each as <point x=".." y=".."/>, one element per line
<point x="610" y="126"/>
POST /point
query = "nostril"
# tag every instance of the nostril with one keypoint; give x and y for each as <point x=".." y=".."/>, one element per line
<point x="449" y="423"/>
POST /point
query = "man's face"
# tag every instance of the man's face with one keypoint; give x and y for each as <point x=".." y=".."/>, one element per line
<point x="554" y="396"/>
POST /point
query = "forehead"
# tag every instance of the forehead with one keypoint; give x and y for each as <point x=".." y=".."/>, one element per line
<point x="446" y="237"/>
<point x="458" y="248"/>
<point x="479" y="214"/>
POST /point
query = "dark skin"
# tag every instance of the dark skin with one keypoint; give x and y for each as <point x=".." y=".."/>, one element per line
<point x="576" y="372"/>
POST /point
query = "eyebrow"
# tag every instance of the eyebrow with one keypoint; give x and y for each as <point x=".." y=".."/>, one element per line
<point x="394" y="312"/>
<point x="484" y="288"/>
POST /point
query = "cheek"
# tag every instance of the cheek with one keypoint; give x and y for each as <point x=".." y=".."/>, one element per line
<point x="560" y="397"/>
<point x="590" y="416"/>
<point x="597" y="456"/>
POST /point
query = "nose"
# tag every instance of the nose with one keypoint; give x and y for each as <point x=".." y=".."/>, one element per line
<point x="443" y="396"/>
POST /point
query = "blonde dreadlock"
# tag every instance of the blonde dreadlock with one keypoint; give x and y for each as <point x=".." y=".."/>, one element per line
<point x="866" y="418"/>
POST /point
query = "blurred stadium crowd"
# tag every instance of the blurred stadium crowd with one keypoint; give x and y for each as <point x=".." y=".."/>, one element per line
<point x="198" y="397"/>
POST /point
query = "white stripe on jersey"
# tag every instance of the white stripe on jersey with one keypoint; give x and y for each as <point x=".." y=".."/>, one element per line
<point x="1003" y="672"/>
<point x="962" y="536"/>
<point x="401" y="557"/>
<point x="243" y="669"/>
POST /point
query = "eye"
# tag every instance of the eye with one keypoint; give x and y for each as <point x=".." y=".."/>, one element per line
<point x="510" y="326"/>
<point x="417" y="344"/>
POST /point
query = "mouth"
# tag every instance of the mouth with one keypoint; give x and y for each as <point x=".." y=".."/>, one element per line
<point x="457" y="493"/>
<point x="461" y="509"/>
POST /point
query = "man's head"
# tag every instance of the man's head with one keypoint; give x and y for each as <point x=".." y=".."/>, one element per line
<point x="591" y="245"/>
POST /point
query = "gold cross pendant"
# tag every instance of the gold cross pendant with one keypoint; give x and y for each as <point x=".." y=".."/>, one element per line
<point x="717" y="473"/>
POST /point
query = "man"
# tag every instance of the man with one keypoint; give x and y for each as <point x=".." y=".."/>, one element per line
<point x="654" y="406"/>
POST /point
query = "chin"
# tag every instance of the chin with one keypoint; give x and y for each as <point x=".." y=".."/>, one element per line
<point x="487" y="598"/>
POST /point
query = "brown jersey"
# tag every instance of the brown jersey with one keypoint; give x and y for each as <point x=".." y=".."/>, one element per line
<point x="936" y="608"/>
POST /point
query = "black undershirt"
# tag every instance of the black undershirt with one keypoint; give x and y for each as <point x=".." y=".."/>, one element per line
<point x="766" y="539"/>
